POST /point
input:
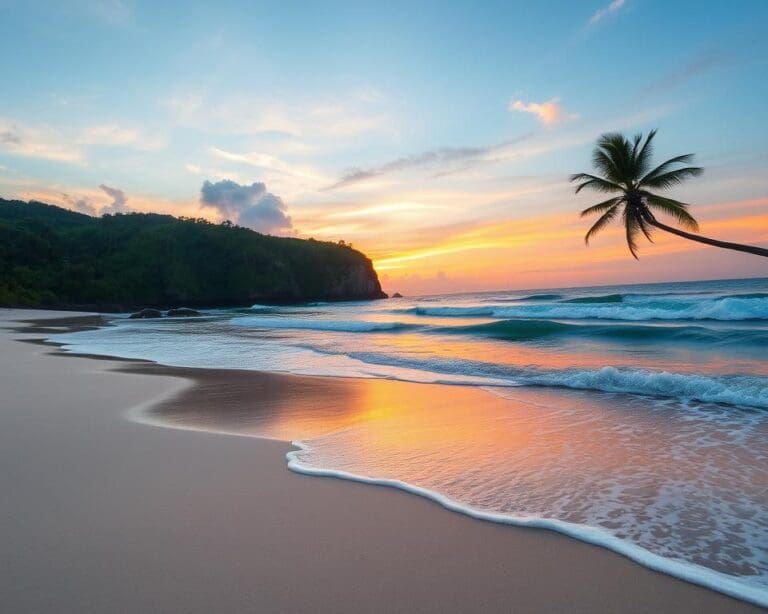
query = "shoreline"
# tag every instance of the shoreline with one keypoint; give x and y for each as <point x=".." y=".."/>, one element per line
<point x="577" y="567"/>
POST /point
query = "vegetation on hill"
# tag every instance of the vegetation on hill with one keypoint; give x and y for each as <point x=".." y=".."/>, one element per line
<point x="53" y="257"/>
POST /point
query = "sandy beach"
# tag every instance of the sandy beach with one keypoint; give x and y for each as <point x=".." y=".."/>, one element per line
<point x="106" y="514"/>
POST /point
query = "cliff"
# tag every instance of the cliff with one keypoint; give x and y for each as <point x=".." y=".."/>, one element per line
<point x="53" y="257"/>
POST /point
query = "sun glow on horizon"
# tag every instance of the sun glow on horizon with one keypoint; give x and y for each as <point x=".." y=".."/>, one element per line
<point x="519" y="254"/>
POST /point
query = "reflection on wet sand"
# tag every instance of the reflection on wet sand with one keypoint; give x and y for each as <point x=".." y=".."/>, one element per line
<point x="685" y="480"/>
<point x="288" y="407"/>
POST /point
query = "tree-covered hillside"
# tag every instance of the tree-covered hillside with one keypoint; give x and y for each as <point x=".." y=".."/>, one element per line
<point x="51" y="256"/>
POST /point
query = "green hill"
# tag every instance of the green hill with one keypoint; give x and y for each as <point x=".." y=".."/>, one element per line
<point x="53" y="257"/>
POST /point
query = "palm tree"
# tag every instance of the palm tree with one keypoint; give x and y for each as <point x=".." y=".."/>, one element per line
<point x="625" y="171"/>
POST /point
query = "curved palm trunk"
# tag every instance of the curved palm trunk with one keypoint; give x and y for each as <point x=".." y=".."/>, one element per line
<point x="750" y="249"/>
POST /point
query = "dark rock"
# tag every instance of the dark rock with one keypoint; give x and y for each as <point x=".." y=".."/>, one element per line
<point x="356" y="281"/>
<point x="146" y="313"/>
<point x="347" y="282"/>
<point x="183" y="312"/>
<point x="397" y="295"/>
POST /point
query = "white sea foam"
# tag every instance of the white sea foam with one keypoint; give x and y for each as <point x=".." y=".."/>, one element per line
<point x="726" y="309"/>
<point x="742" y="390"/>
<point x="257" y="308"/>
<point x="750" y="391"/>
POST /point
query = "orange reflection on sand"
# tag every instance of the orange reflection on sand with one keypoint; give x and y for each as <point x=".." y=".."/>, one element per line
<point x="406" y="415"/>
<point x="287" y="407"/>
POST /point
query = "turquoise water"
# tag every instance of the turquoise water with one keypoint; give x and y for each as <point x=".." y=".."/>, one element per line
<point x="634" y="417"/>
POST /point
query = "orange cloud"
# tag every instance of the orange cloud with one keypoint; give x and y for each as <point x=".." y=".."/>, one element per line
<point x="549" y="113"/>
<point x="67" y="197"/>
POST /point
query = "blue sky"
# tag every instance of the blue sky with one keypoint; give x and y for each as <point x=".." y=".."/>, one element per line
<point x="428" y="116"/>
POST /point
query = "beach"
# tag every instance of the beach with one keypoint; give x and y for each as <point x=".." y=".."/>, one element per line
<point x="106" y="513"/>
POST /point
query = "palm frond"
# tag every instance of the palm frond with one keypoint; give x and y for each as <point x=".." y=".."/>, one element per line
<point x="619" y="151"/>
<point x="647" y="230"/>
<point x="603" y="221"/>
<point x="631" y="227"/>
<point x="602" y="207"/>
<point x="644" y="155"/>
<point x="672" y="208"/>
<point x="606" y="166"/>
<point x="636" y="143"/>
<point x="667" y="166"/>
<point x="672" y="178"/>
<point x="595" y="183"/>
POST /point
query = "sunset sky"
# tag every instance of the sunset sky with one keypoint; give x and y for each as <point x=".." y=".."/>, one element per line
<point x="437" y="137"/>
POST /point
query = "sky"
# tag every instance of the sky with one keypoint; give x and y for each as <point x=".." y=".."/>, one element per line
<point x="436" y="137"/>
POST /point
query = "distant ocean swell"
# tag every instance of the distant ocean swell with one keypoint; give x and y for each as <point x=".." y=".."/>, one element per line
<point x="540" y="297"/>
<point x="524" y="329"/>
<point x="725" y="308"/>
<point x="620" y="298"/>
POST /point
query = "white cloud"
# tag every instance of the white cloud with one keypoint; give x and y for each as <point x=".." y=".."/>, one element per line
<point x="81" y="205"/>
<point x="40" y="142"/>
<point x="87" y="200"/>
<point x="68" y="145"/>
<point x="248" y="205"/>
<point x="606" y="11"/>
<point x="548" y="113"/>
<point x="269" y="119"/>
<point x="410" y="209"/>
<point x="313" y="124"/>
<point x="118" y="136"/>
<point x="266" y="161"/>
<point x="444" y="160"/>
<point x="118" y="200"/>
<point x="443" y="163"/>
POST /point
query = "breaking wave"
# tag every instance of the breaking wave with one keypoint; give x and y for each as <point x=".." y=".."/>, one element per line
<point x="738" y="390"/>
<point x="531" y="330"/>
<point x="725" y="308"/>
<point x="610" y="298"/>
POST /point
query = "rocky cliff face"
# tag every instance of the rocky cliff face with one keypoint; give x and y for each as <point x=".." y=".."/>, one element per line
<point x="358" y="281"/>
<point x="341" y="282"/>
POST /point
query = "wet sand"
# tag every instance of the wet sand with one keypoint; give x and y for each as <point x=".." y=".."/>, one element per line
<point x="104" y="514"/>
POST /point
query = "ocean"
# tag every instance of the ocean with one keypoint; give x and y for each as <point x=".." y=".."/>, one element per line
<point x="633" y="417"/>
